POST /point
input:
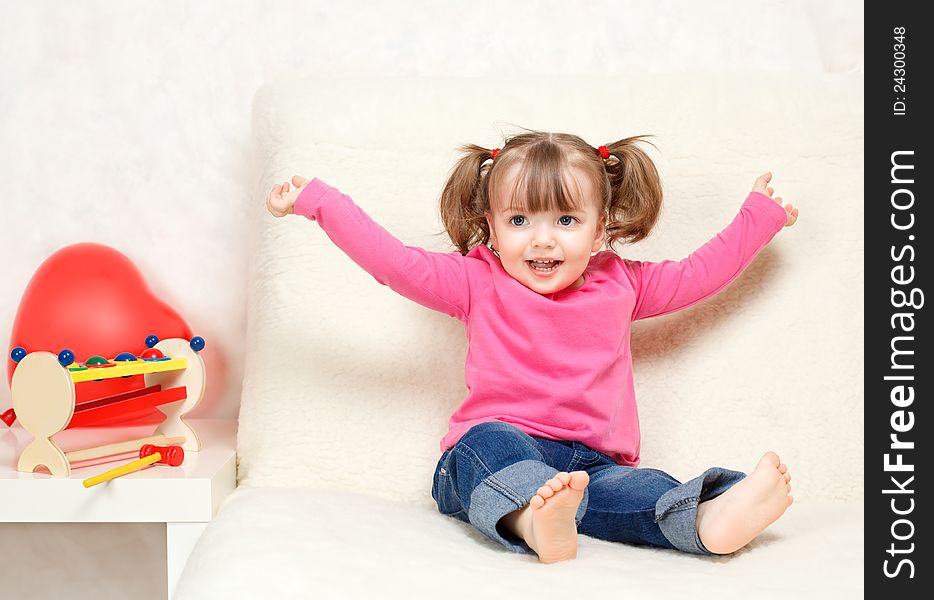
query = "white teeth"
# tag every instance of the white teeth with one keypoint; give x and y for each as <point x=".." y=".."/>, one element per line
<point x="538" y="265"/>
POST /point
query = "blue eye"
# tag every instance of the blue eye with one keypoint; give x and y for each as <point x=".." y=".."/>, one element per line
<point x="512" y="221"/>
<point x="568" y="217"/>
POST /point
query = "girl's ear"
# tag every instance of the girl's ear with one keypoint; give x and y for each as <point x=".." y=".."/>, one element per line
<point x="599" y="234"/>
<point x="489" y="222"/>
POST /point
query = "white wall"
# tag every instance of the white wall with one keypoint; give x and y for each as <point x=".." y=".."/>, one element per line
<point x="128" y="124"/>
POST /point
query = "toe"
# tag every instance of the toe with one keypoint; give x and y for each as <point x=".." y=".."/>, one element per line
<point x="787" y="477"/>
<point x="770" y="458"/>
<point x="787" y="488"/>
<point x="537" y="502"/>
<point x="563" y="477"/>
<point x="790" y="499"/>
<point x="782" y="468"/>
<point x="545" y="491"/>
<point x="556" y="484"/>
<point x="579" y="480"/>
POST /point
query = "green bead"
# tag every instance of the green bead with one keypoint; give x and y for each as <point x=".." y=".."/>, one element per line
<point x="96" y="360"/>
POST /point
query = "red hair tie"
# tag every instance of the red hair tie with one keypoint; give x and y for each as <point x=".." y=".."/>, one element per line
<point x="494" y="153"/>
<point x="604" y="152"/>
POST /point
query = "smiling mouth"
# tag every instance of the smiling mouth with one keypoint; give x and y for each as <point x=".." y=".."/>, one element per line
<point x="544" y="266"/>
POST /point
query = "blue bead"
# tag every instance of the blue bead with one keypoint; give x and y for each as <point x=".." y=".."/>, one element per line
<point x="197" y="343"/>
<point x="18" y="354"/>
<point x="151" y="341"/>
<point x="66" y="357"/>
<point x="125" y="356"/>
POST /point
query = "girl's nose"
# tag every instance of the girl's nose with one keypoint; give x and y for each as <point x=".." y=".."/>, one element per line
<point x="543" y="238"/>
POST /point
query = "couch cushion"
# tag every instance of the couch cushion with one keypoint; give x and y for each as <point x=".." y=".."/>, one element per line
<point x="346" y="382"/>
<point x="290" y="543"/>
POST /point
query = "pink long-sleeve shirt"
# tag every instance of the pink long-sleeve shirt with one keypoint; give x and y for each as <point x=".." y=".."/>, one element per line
<point x="557" y="366"/>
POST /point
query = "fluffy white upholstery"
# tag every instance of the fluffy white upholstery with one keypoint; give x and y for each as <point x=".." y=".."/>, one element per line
<point x="297" y="543"/>
<point x="348" y="386"/>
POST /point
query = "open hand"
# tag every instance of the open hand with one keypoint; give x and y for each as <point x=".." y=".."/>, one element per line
<point x="281" y="198"/>
<point x="762" y="186"/>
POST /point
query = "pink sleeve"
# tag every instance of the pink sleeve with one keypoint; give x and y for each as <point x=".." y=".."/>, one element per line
<point x="433" y="279"/>
<point x="667" y="286"/>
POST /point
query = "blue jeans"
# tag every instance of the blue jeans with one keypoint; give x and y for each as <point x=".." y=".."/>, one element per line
<point x="496" y="468"/>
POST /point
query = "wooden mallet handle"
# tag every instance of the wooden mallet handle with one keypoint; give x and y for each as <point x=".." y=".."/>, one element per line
<point x="149" y="454"/>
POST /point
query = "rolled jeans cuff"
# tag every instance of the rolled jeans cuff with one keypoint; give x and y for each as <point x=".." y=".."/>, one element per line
<point x="508" y="490"/>
<point x="676" y="510"/>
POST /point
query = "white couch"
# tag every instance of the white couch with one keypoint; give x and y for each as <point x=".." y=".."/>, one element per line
<point x="348" y="386"/>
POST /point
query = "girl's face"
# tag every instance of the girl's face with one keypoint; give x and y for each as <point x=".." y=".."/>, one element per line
<point x="568" y="237"/>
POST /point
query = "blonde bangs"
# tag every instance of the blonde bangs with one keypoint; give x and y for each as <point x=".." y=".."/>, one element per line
<point x="543" y="184"/>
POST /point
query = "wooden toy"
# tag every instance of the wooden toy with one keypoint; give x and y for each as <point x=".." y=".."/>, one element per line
<point x="43" y="389"/>
<point x="148" y="454"/>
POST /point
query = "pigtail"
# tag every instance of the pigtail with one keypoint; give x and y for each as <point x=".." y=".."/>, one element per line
<point x="635" y="192"/>
<point x="462" y="204"/>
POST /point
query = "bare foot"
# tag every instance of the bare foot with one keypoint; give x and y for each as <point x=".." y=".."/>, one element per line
<point x="547" y="523"/>
<point x="732" y="519"/>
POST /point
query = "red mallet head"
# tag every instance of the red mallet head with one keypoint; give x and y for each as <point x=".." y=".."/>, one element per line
<point x="171" y="455"/>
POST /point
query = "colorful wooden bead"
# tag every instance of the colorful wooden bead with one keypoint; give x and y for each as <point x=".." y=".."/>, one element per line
<point x="18" y="354"/>
<point x="150" y="353"/>
<point x="66" y="357"/>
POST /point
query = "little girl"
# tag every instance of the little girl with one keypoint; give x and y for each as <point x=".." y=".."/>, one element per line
<point x="546" y="445"/>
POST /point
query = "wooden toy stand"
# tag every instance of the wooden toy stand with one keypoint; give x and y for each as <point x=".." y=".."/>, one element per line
<point x="44" y="401"/>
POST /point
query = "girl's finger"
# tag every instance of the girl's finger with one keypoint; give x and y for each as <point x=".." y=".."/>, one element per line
<point x="770" y="190"/>
<point x="285" y="187"/>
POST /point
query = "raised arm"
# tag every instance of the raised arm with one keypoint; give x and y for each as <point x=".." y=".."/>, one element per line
<point x="667" y="286"/>
<point x="433" y="279"/>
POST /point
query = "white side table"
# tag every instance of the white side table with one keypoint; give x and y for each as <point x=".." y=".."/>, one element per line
<point x="185" y="498"/>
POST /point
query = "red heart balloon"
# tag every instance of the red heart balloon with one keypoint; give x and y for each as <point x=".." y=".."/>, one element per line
<point x="93" y="300"/>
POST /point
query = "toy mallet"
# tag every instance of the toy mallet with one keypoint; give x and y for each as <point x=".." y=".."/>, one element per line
<point x="148" y="454"/>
